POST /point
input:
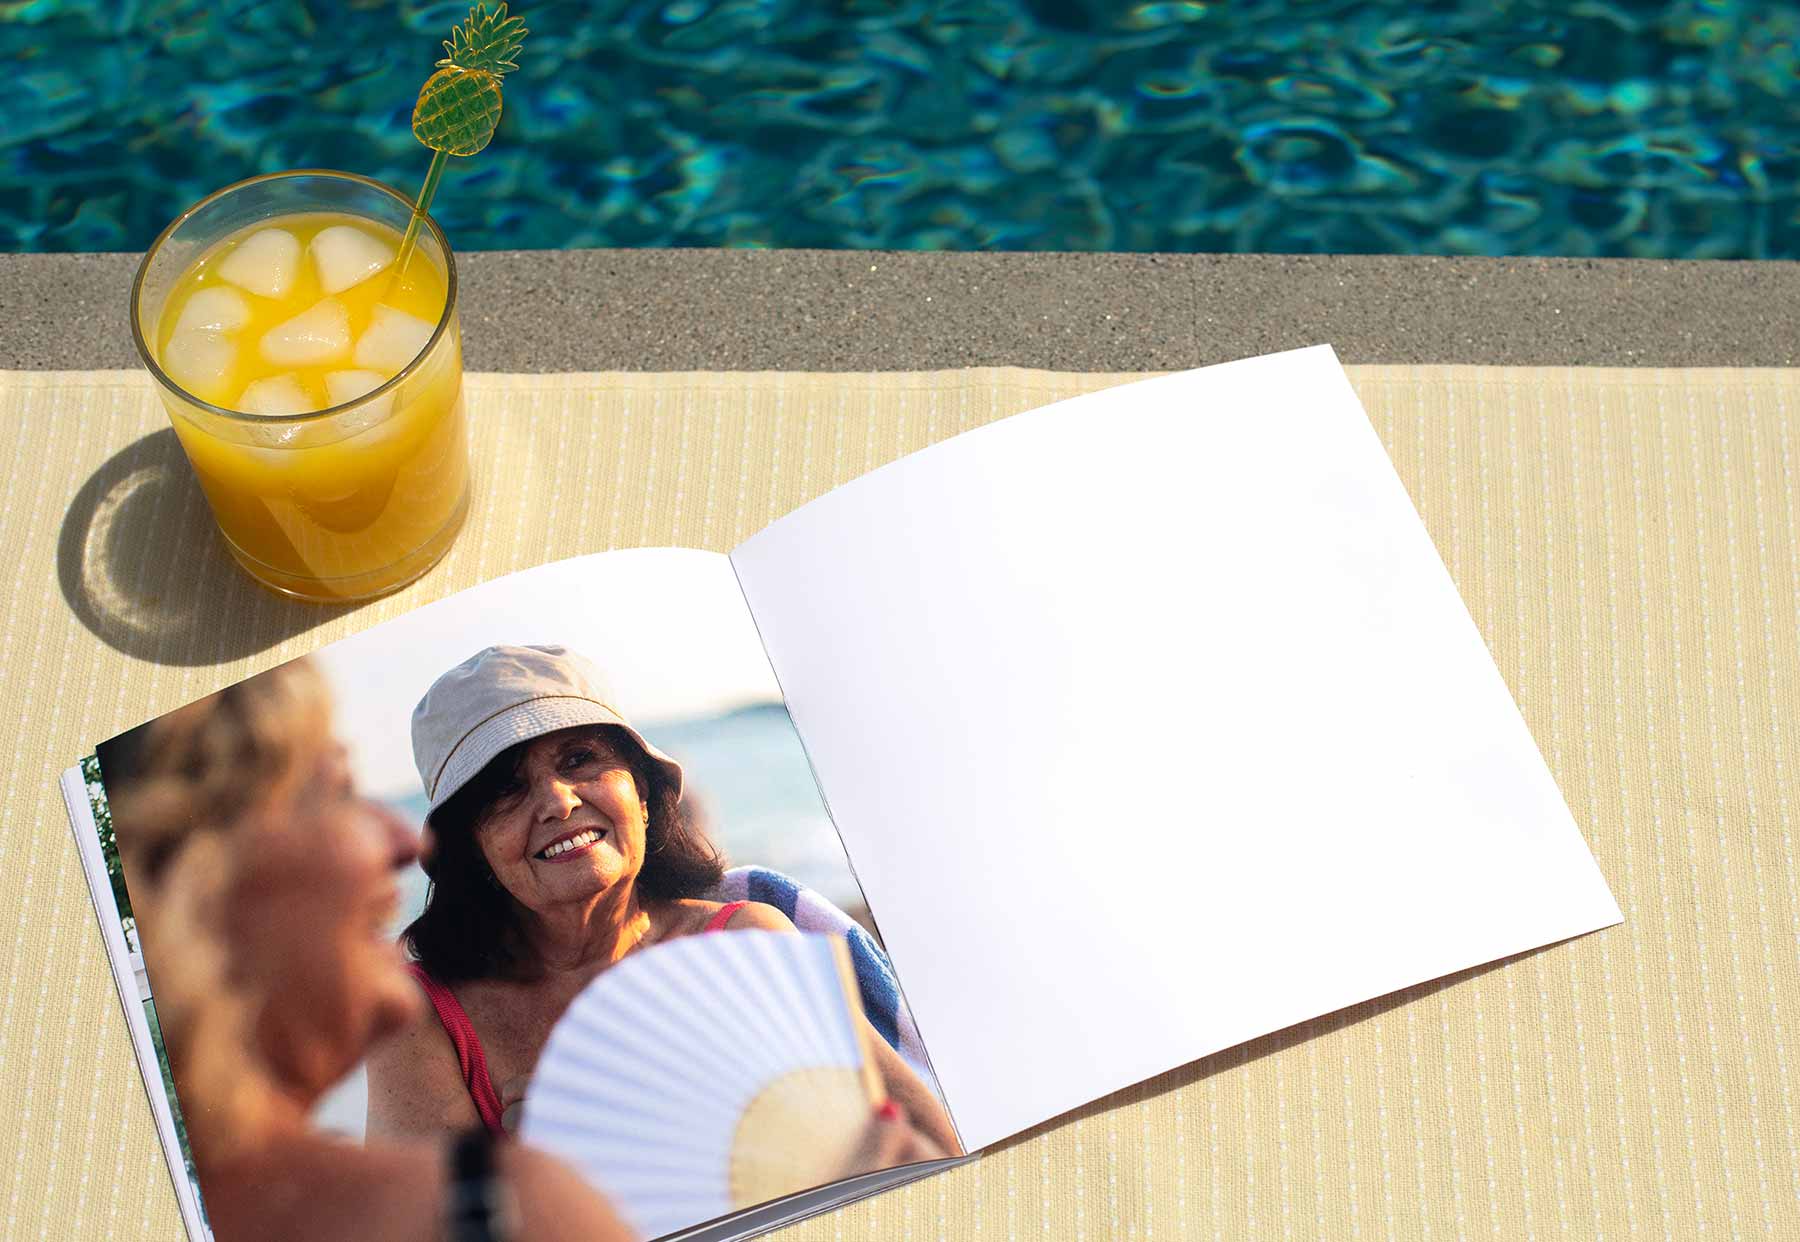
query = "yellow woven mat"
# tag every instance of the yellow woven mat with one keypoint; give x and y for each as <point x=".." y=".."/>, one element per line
<point x="1626" y="541"/>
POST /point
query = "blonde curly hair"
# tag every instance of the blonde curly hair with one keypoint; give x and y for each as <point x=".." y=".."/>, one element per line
<point x="187" y="792"/>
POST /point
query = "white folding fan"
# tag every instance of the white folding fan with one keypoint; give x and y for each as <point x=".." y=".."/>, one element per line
<point x="707" y="1075"/>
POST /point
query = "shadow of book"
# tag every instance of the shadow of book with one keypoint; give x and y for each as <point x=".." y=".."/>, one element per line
<point x="143" y="566"/>
<point x="1240" y="1055"/>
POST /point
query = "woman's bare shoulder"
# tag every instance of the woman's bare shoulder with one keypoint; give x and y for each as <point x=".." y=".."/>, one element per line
<point x="307" y="1186"/>
<point x="756" y="915"/>
<point x="415" y="1083"/>
<point x="695" y="915"/>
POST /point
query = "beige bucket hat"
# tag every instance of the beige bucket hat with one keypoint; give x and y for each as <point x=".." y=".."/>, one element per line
<point x="501" y="696"/>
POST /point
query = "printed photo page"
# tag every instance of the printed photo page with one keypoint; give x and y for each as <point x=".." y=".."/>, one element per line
<point x="1153" y="722"/>
<point x="542" y="865"/>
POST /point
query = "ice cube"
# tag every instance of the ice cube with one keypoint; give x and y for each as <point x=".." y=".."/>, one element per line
<point x="200" y="362"/>
<point x="214" y="309"/>
<point x="349" y="385"/>
<point x="392" y="339"/>
<point x="346" y="386"/>
<point x="279" y="394"/>
<point x="346" y="256"/>
<point x="263" y="263"/>
<point x="312" y="338"/>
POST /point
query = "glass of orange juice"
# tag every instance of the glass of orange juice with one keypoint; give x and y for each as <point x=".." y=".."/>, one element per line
<point x="315" y="386"/>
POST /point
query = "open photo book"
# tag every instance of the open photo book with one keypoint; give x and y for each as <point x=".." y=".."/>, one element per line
<point x="1040" y="762"/>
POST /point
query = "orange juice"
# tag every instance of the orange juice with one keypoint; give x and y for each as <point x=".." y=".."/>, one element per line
<point x="328" y="434"/>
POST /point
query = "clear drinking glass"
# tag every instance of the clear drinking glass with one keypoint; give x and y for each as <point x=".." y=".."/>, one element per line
<point x="348" y="502"/>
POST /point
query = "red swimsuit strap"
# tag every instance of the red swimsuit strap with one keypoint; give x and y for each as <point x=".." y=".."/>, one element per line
<point x="718" y="921"/>
<point x="469" y="1055"/>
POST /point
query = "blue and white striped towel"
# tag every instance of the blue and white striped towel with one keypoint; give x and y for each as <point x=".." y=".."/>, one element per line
<point x="875" y="978"/>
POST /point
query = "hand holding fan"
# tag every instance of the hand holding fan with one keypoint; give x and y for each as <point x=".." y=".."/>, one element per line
<point x="707" y="1075"/>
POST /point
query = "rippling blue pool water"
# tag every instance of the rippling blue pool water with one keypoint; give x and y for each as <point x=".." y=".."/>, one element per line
<point x="1604" y="127"/>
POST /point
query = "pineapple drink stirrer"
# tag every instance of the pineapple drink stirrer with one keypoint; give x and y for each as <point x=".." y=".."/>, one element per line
<point x="459" y="105"/>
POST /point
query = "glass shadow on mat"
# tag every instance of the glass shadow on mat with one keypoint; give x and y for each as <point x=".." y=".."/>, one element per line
<point x="141" y="562"/>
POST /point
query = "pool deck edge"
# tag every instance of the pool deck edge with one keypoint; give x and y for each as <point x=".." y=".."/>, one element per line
<point x="810" y="310"/>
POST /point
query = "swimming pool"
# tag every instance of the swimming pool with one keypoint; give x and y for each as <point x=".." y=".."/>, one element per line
<point x="1607" y="127"/>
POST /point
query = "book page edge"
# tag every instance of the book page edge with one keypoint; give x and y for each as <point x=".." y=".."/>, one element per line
<point x="93" y="868"/>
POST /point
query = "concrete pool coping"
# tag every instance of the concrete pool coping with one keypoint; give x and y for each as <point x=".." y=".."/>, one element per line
<point x="812" y="310"/>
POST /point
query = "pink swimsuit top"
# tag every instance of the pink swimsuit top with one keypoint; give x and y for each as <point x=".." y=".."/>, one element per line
<point x="461" y="1031"/>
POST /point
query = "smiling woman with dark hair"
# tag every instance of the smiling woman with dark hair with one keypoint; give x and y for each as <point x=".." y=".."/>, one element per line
<point x="472" y="928"/>
<point x="559" y="844"/>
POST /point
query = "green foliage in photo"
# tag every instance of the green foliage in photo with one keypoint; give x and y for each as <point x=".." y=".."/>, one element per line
<point x="109" y="849"/>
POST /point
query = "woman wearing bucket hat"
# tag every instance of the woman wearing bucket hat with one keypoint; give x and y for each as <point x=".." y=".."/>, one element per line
<point x="557" y="844"/>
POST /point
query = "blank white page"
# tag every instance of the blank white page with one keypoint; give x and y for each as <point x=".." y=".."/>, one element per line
<point x="1152" y="722"/>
